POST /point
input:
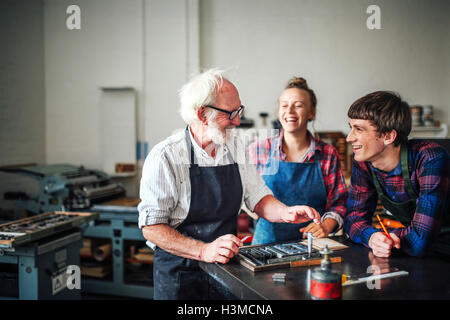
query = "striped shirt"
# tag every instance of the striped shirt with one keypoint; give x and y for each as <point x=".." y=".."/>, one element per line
<point x="333" y="177"/>
<point x="165" y="188"/>
<point x="428" y="164"/>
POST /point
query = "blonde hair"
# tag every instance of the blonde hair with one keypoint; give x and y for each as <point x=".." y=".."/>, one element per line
<point x="300" y="83"/>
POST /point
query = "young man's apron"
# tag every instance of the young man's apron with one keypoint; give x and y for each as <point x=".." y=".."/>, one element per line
<point x="404" y="211"/>
<point x="293" y="183"/>
<point x="216" y="195"/>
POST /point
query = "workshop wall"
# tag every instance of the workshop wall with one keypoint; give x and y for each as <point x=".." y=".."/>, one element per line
<point x="105" y="52"/>
<point x="171" y="55"/>
<point x="51" y="84"/>
<point x="267" y="42"/>
<point x="22" y="102"/>
<point x="139" y="44"/>
<point x="446" y="66"/>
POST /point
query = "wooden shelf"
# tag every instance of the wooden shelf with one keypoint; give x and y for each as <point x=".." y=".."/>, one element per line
<point x="423" y="128"/>
<point x="423" y="132"/>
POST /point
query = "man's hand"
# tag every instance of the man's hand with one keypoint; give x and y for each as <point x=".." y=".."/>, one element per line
<point x="320" y="230"/>
<point x="221" y="250"/>
<point x="300" y="214"/>
<point x="381" y="245"/>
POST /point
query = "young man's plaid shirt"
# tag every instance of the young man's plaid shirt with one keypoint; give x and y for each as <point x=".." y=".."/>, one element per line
<point x="429" y="169"/>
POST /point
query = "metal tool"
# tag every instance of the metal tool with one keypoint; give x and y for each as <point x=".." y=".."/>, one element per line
<point x="325" y="283"/>
<point x="279" y="277"/>
<point x="376" y="277"/>
<point x="347" y="277"/>
<point x="310" y="242"/>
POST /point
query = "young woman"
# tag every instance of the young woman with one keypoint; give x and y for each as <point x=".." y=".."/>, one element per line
<point x="299" y="169"/>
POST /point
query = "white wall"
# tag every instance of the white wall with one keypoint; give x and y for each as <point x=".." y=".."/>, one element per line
<point x="106" y="52"/>
<point x="328" y="43"/>
<point x="445" y="12"/>
<point x="135" y="43"/>
<point x="171" y="55"/>
<point x="141" y="44"/>
<point x="22" y="101"/>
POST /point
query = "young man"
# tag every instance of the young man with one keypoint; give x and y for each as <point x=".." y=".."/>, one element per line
<point x="411" y="178"/>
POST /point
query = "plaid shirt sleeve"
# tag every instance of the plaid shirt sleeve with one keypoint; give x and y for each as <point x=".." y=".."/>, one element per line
<point x="333" y="179"/>
<point x="432" y="202"/>
<point x="361" y="204"/>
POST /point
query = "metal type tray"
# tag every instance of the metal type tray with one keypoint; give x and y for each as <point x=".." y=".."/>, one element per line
<point x="271" y="256"/>
<point x="19" y="232"/>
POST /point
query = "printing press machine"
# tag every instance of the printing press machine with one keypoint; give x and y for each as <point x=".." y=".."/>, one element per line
<point x="64" y="187"/>
<point x="39" y="256"/>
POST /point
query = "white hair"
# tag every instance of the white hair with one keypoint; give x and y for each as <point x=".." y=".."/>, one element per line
<point x="199" y="91"/>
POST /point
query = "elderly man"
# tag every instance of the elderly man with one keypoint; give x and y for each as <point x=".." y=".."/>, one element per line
<point x="192" y="190"/>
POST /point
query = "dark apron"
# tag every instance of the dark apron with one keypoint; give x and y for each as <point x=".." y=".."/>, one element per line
<point x="404" y="211"/>
<point x="293" y="183"/>
<point x="216" y="195"/>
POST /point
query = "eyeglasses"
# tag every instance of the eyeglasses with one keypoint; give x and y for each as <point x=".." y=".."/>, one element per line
<point x="233" y="114"/>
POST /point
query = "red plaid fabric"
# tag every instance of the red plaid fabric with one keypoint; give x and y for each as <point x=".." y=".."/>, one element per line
<point x="333" y="177"/>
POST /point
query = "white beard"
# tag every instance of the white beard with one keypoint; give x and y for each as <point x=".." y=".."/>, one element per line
<point x="218" y="137"/>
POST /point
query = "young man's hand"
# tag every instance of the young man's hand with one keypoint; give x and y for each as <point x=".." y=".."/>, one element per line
<point x="381" y="245"/>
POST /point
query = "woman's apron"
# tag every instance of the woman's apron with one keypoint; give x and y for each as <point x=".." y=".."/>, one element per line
<point x="293" y="183"/>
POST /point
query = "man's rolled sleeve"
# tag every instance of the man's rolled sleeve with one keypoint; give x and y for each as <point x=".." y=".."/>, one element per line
<point x="158" y="191"/>
<point x="148" y="218"/>
<point x="254" y="187"/>
<point x="334" y="216"/>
